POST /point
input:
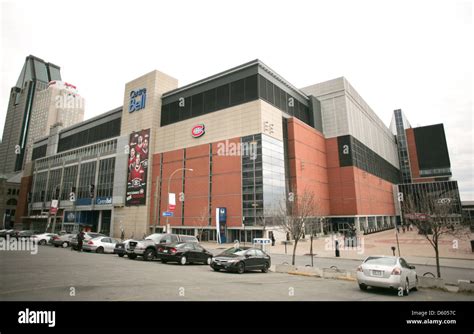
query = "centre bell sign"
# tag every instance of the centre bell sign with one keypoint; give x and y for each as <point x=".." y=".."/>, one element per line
<point x="137" y="100"/>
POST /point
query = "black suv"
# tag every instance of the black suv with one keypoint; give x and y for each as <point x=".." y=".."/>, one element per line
<point x="148" y="248"/>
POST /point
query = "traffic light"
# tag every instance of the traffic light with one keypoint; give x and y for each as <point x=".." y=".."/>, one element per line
<point x="92" y="190"/>
<point x="29" y="196"/>
<point x="56" y="193"/>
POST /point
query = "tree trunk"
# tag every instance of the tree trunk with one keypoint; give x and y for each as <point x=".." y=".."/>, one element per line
<point x="294" y="252"/>
<point x="438" y="269"/>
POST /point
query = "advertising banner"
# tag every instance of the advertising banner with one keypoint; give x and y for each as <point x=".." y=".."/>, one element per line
<point x="137" y="168"/>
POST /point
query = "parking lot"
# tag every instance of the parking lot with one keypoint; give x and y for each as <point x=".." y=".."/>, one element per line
<point x="59" y="274"/>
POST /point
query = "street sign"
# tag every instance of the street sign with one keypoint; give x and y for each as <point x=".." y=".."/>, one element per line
<point x="167" y="214"/>
<point x="54" y="207"/>
<point x="171" y="201"/>
<point x="261" y="241"/>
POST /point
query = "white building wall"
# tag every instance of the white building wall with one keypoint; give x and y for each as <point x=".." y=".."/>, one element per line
<point x="344" y="112"/>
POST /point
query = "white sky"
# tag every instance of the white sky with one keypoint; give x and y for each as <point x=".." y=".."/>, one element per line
<point x="413" y="55"/>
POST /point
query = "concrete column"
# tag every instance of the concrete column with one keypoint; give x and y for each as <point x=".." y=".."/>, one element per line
<point x="99" y="225"/>
<point x="357" y="224"/>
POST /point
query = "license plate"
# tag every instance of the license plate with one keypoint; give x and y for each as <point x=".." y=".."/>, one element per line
<point x="377" y="273"/>
<point x="165" y="251"/>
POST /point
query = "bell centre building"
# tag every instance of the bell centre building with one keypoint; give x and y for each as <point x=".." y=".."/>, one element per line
<point x="238" y="142"/>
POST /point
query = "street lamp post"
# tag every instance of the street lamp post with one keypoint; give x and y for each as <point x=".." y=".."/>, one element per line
<point x="169" y="185"/>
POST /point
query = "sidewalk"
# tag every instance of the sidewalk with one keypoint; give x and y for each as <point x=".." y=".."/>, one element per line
<point x="414" y="248"/>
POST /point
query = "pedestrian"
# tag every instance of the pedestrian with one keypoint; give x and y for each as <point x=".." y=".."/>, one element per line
<point x="337" y="249"/>
<point x="403" y="228"/>
<point x="273" y="239"/>
<point x="80" y="240"/>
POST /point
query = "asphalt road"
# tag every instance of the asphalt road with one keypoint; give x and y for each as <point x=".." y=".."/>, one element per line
<point x="58" y="274"/>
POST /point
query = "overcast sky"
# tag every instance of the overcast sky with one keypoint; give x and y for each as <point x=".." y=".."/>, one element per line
<point x="413" y="55"/>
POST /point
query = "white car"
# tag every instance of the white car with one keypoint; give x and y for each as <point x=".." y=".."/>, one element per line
<point x="43" y="239"/>
<point x="100" y="245"/>
<point x="391" y="272"/>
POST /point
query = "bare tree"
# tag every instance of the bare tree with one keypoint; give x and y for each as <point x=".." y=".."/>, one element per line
<point x="434" y="217"/>
<point x="293" y="213"/>
<point x="203" y="221"/>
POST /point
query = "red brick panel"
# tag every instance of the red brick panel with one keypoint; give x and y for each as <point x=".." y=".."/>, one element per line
<point x="307" y="162"/>
<point x="413" y="155"/>
<point x="22" y="205"/>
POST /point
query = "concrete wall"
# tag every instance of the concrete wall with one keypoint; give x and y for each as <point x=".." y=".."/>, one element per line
<point x="134" y="219"/>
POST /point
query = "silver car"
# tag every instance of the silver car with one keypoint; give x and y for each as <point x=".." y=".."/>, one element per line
<point x="391" y="272"/>
<point x="100" y="245"/>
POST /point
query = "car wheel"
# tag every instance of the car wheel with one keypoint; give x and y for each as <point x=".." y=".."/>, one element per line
<point x="56" y="245"/>
<point x="406" y="291"/>
<point x="121" y="255"/>
<point x="183" y="260"/>
<point x="215" y="269"/>
<point x="64" y="245"/>
<point x="148" y="255"/>
<point x="363" y="287"/>
<point x="241" y="268"/>
<point x="132" y="256"/>
<point x="265" y="268"/>
<point x="416" y="284"/>
<point x="164" y="261"/>
<point x="42" y="242"/>
<point x="99" y="250"/>
<point x="209" y="260"/>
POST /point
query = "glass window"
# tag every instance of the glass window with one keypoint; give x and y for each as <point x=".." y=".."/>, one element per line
<point x="237" y="92"/>
<point x="197" y="105"/>
<point x="270" y="95"/>
<point x="86" y="178"/>
<point x="210" y="100"/>
<point x="251" y="88"/>
<point x="223" y="95"/>
<point x="41" y="71"/>
<point x="185" y="110"/>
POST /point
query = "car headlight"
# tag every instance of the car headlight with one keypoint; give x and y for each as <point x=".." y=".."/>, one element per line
<point x="234" y="261"/>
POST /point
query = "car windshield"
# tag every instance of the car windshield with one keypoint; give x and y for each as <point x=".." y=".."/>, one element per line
<point x="234" y="250"/>
<point x="154" y="237"/>
<point x="384" y="261"/>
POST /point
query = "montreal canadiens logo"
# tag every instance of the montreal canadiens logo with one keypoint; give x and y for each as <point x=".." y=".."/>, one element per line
<point x="198" y="130"/>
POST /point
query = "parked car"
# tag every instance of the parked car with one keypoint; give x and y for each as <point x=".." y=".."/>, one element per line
<point x="5" y="233"/>
<point x="23" y="234"/>
<point x="100" y="245"/>
<point x="148" y="248"/>
<point x="62" y="240"/>
<point x="391" y="272"/>
<point x="183" y="253"/>
<point x="43" y="238"/>
<point x="241" y="259"/>
<point x="121" y="247"/>
<point x="87" y="237"/>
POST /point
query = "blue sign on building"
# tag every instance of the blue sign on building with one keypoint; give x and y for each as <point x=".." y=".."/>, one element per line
<point x="137" y="100"/>
<point x="84" y="201"/>
<point x="103" y="200"/>
<point x="221" y="223"/>
<point x="167" y="214"/>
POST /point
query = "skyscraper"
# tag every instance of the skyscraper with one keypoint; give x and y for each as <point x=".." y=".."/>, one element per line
<point x="34" y="77"/>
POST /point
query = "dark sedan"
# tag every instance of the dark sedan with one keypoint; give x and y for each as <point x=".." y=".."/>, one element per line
<point x="184" y="252"/>
<point x="242" y="259"/>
